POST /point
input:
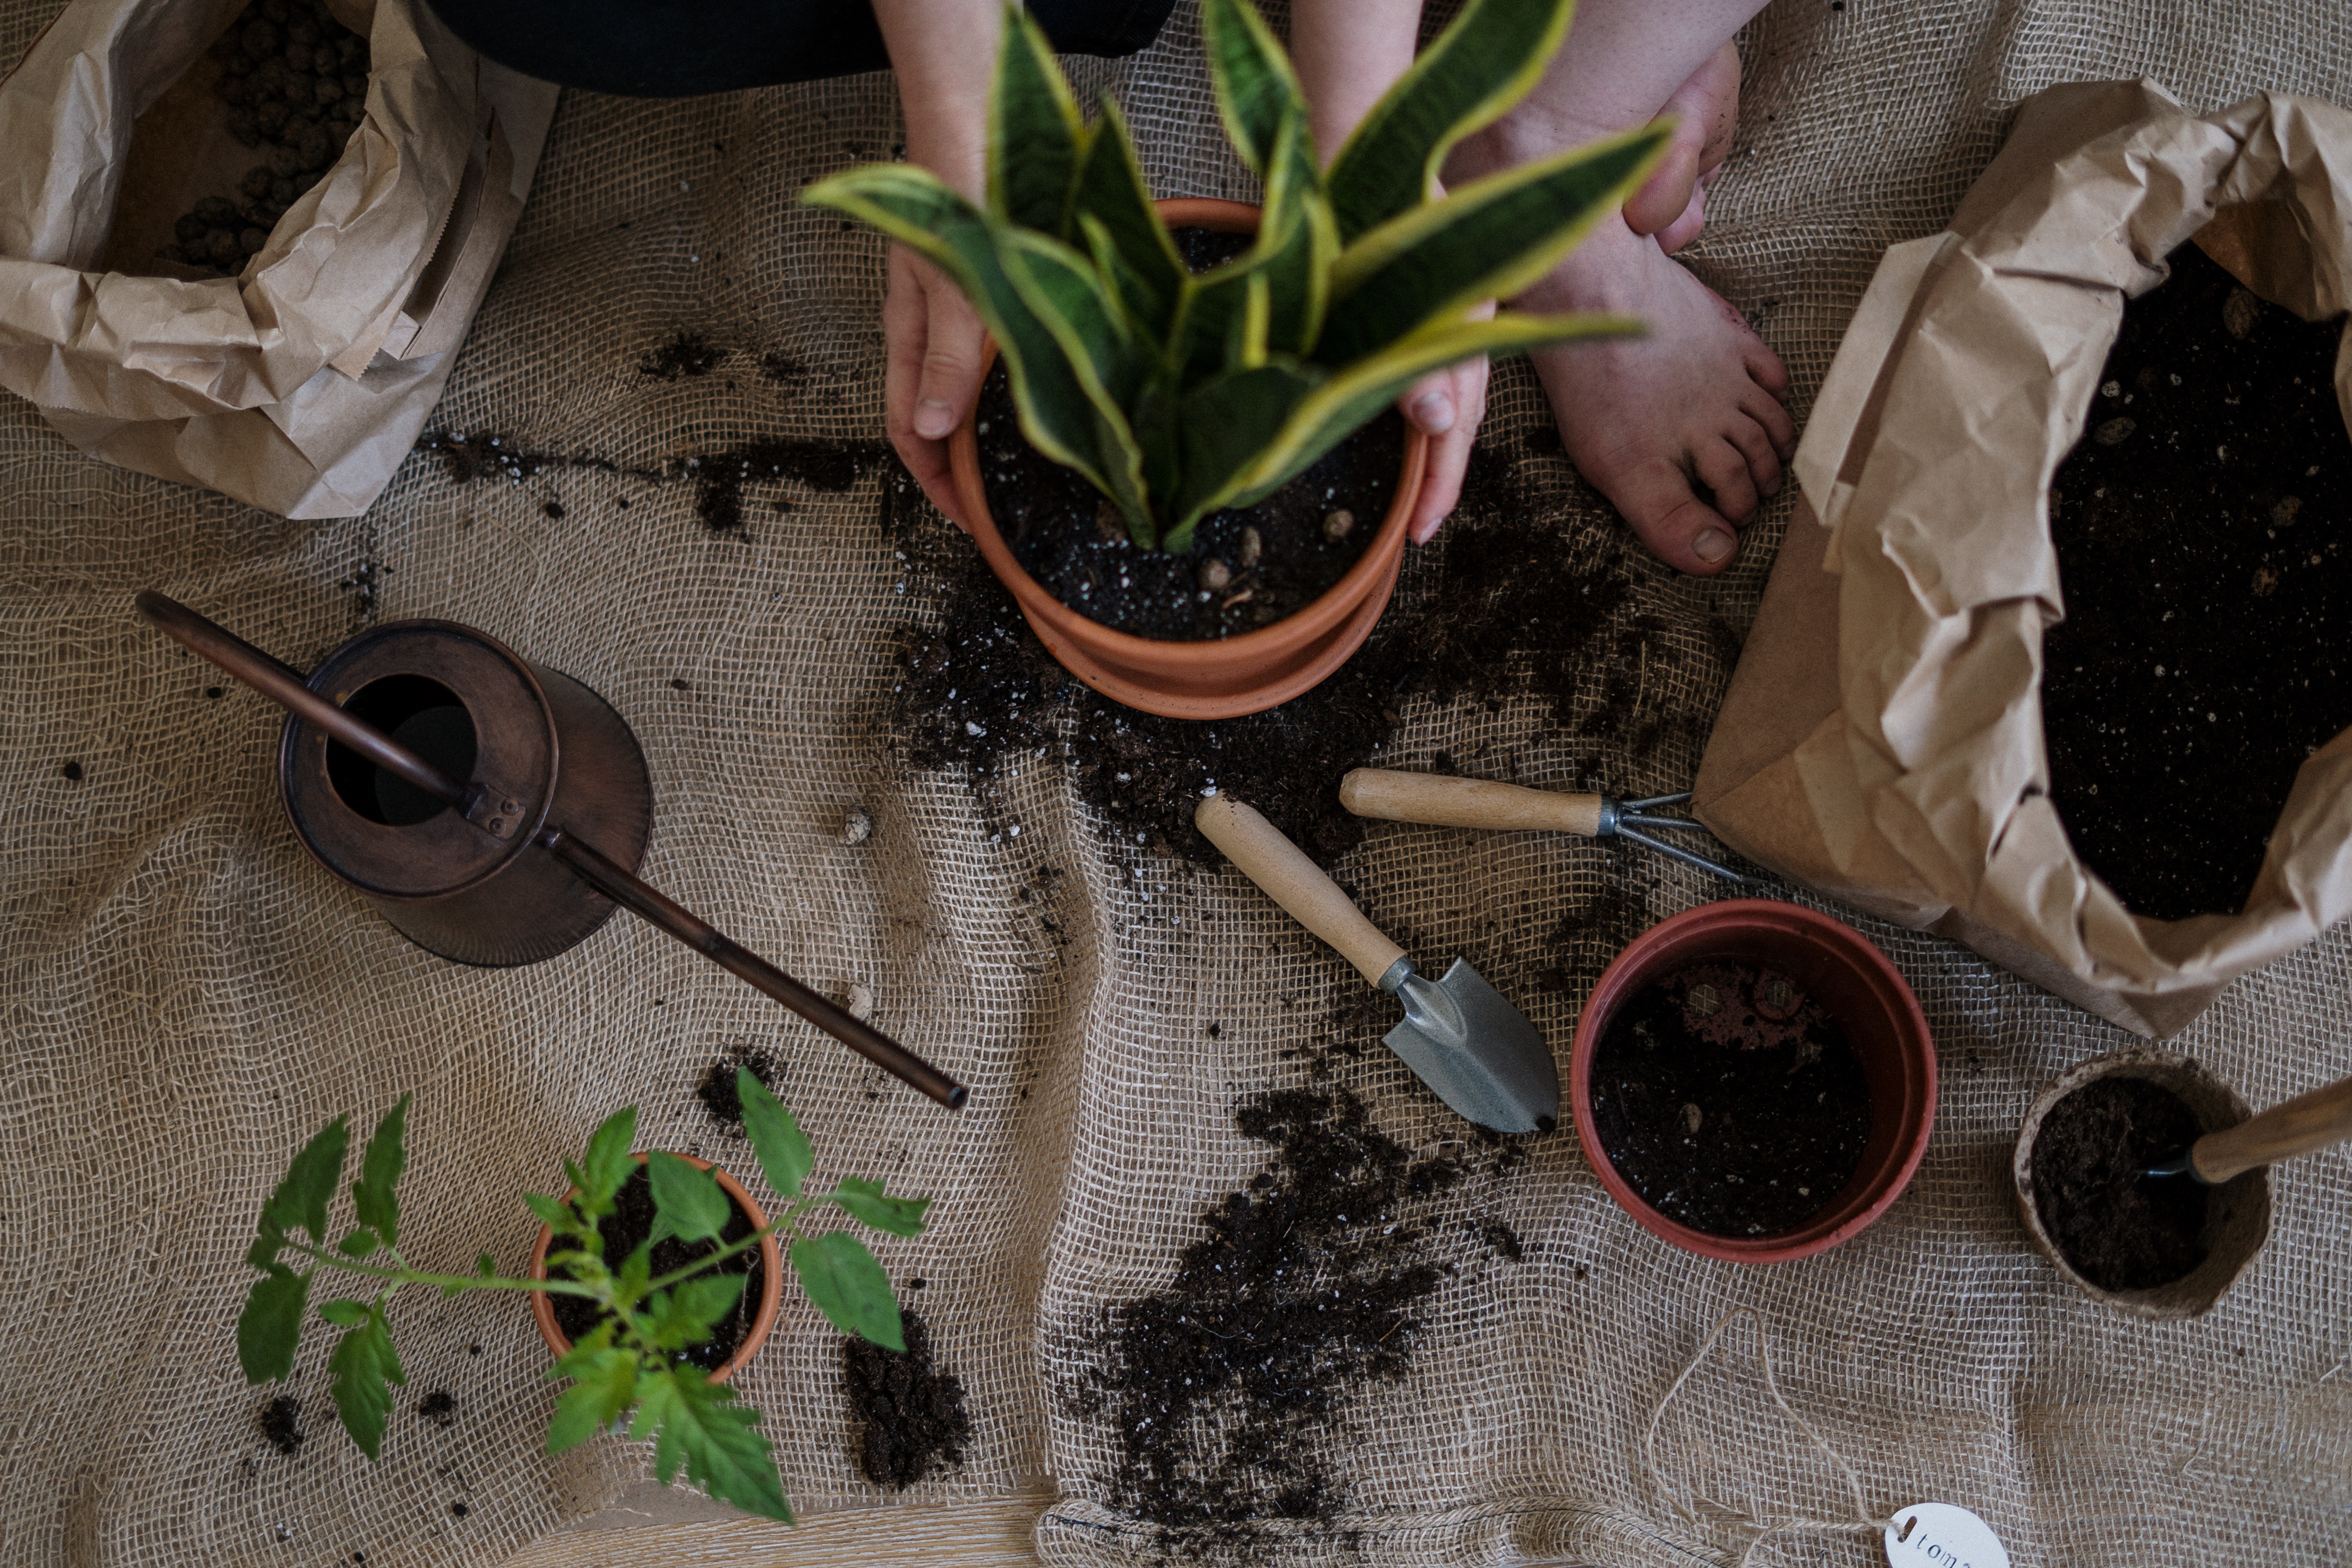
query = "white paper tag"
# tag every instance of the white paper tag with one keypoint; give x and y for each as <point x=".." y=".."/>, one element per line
<point x="1941" y="1535"/>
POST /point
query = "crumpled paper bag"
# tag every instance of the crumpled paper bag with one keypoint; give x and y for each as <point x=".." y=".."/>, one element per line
<point x="1882" y="739"/>
<point x="299" y="385"/>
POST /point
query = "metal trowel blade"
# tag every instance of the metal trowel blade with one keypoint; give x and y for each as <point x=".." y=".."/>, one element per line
<point x="1476" y="1051"/>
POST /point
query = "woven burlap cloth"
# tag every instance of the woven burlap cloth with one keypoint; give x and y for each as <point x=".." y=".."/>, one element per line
<point x="188" y="996"/>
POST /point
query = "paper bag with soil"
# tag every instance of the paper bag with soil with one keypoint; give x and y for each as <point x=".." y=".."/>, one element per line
<point x="299" y="384"/>
<point x="1883" y="739"/>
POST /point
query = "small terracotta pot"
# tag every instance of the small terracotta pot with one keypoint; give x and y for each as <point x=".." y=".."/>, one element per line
<point x="1882" y="1020"/>
<point x="1227" y="677"/>
<point x="771" y="1270"/>
<point x="2237" y="1218"/>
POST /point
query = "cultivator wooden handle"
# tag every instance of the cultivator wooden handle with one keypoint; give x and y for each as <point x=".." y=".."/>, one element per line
<point x="2304" y="1125"/>
<point x="1446" y="802"/>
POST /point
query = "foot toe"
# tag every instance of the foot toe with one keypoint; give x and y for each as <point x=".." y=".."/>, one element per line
<point x="1756" y="445"/>
<point x="1681" y="530"/>
<point x="1723" y="467"/>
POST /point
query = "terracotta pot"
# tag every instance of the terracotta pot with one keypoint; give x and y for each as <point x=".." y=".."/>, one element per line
<point x="2237" y="1216"/>
<point x="771" y="1270"/>
<point x="1860" y="988"/>
<point x="1230" y="676"/>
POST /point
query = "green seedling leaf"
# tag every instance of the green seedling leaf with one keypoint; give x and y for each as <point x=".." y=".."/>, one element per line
<point x="849" y="1288"/>
<point x="697" y="1423"/>
<point x="865" y="1201"/>
<point x="606" y="1165"/>
<point x="1255" y="86"/>
<point x="344" y="1314"/>
<point x="688" y="1312"/>
<point x="486" y="1265"/>
<point x="687" y="1201"/>
<point x="359" y="1243"/>
<point x="365" y="1367"/>
<point x="1035" y="139"/>
<point x="558" y="1218"/>
<point x="300" y="1200"/>
<point x="629" y="1282"/>
<point x="1468" y="78"/>
<point x="784" y="1155"/>
<point x="380" y="1167"/>
<point x="270" y="1327"/>
<point x="604" y="1386"/>
<point x="1486" y="241"/>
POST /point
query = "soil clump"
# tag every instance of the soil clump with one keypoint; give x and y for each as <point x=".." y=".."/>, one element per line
<point x="2120" y="1229"/>
<point x="1730" y="1100"/>
<point x="631" y="1221"/>
<point x="294" y="82"/>
<point x="1245" y="569"/>
<point x="679" y="356"/>
<point x="280" y="1422"/>
<point x="720" y="476"/>
<point x="909" y="1412"/>
<point x="2207" y="650"/>
<point x="717" y="1090"/>
<point x="1306" y="1287"/>
<point x="440" y="1407"/>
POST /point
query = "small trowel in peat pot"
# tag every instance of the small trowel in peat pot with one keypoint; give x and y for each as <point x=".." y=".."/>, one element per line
<point x="1477" y="1051"/>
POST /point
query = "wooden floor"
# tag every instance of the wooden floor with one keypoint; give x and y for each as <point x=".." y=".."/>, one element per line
<point x="996" y="1533"/>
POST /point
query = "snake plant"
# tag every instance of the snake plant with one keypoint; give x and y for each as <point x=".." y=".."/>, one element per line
<point x="1177" y="393"/>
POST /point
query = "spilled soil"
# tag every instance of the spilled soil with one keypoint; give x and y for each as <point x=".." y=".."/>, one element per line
<point x="725" y="479"/>
<point x="907" y="1413"/>
<point x="1308" y="1285"/>
<point x="717" y="1090"/>
<point x="1504" y="603"/>
<point x="2207" y="649"/>
<point x="631" y="1221"/>
<point x="2121" y="1230"/>
<point x="280" y="1422"/>
<point x="1730" y="1100"/>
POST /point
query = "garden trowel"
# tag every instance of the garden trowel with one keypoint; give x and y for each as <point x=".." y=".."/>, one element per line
<point x="1477" y="1051"/>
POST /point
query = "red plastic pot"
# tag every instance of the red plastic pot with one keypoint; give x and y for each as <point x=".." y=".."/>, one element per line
<point x="1859" y="987"/>
<point x="1226" y="677"/>
<point x="772" y="1272"/>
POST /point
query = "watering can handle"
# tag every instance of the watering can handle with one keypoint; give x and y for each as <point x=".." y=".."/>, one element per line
<point x="1445" y="802"/>
<point x="1301" y="887"/>
<point x="2304" y="1125"/>
<point x="282" y="685"/>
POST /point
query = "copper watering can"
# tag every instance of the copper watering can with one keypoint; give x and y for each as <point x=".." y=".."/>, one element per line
<point x="493" y="810"/>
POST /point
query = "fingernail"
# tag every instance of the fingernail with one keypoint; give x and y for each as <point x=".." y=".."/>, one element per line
<point x="1434" y="412"/>
<point x="1711" y="546"/>
<point x="933" y="419"/>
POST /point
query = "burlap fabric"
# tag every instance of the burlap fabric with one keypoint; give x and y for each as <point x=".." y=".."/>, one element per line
<point x="189" y="995"/>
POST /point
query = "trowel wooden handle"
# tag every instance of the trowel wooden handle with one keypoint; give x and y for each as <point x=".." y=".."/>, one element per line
<point x="2302" y="1125"/>
<point x="1466" y="803"/>
<point x="1296" y="883"/>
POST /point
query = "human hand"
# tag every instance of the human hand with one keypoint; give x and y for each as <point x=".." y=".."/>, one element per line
<point x="931" y="375"/>
<point x="1447" y="406"/>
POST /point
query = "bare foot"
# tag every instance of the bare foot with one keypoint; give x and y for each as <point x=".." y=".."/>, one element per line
<point x="1672" y="203"/>
<point x="1650" y="420"/>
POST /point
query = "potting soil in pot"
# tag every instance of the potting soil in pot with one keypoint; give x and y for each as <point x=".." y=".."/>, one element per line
<point x="2120" y="1229"/>
<point x="631" y="1221"/>
<point x="2206" y="650"/>
<point x="1730" y="1100"/>
<point x="1247" y="568"/>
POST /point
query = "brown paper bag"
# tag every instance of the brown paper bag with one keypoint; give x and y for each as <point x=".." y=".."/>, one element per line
<point x="1882" y="740"/>
<point x="299" y="385"/>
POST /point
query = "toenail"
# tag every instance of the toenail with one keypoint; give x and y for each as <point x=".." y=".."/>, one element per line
<point x="1711" y="546"/>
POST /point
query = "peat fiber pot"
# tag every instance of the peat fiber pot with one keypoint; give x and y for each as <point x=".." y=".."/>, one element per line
<point x="2237" y="1211"/>
<point x="1227" y="677"/>
<point x="772" y="1272"/>
<point x="1855" y="984"/>
<point x="470" y="705"/>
